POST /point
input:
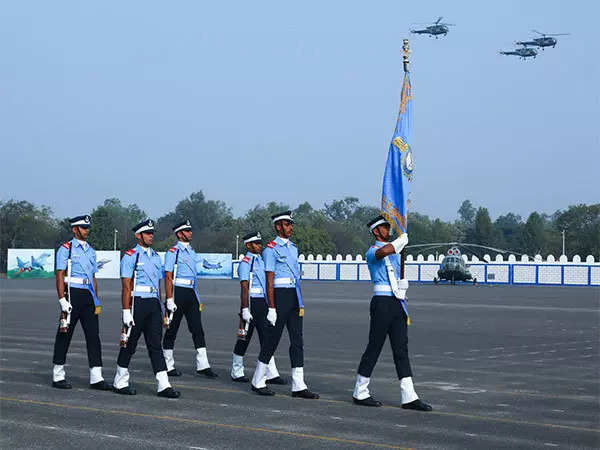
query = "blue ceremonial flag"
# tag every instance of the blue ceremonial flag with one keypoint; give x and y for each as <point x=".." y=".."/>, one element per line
<point x="399" y="168"/>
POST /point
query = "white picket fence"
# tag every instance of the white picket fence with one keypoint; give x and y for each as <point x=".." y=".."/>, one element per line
<point x="518" y="271"/>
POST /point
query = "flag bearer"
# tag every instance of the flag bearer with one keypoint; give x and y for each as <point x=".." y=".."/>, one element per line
<point x="389" y="317"/>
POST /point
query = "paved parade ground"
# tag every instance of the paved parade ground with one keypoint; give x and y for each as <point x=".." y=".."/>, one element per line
<point x="503" y="367"/>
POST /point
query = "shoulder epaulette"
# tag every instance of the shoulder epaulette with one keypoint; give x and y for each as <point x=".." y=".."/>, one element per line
<point x="173" y="249"/>
<point x="67" y="244"/>
<point x="246" y="259"/>
<point x="272" y="244"/>
<point x="130" y="252"/>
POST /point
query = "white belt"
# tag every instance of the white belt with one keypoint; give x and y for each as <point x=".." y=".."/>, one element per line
<point x="256" y="291"/>
<point x="382" y="288"/>
<point x="284" y="282"/>
<point x="144" y="290"/>
<point x="184" y="281"/>
<point x="77" y="280"/>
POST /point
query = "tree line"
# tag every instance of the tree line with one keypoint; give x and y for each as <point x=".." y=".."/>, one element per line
<point x="336" y="228"/>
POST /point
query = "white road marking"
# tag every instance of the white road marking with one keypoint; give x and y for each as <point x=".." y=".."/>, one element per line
<point x="474" y="350"/>
<point x="549" y="444"/>
<point x="558" y="410"/>
<point x="401" y="426"/>
<point x="336" y="418"/>
<point x="224" y="405"/>
<point x="111" y="436"/>
<point x="275" y="411"/>
<point x="448" y="353"/>
<point x="471" y="434"/>
<point x="498" y="348"/>
<point x="504" y="405"/>
<point x="49" y="427"/>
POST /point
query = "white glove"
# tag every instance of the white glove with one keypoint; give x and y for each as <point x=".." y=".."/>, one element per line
<point x="65" y="306"/>
<point x="400" y="242"/>
<point x="128" y="318"/>
<point x="272" y="316"/>
<point x="246" y="316"/>
<point x="403" y="284"/>
<point x="171" y="306"/>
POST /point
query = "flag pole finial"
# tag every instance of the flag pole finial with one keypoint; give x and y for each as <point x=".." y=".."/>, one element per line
<point x="406" y="53"/>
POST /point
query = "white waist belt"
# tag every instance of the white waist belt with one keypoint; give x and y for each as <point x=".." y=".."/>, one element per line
<point x="284" y="282"/>
<point x="77" y="280"/>
<point x="256" y="291"/>
<point x="382" y="288"/>
<point x="144" y="290"/>
<point x="184" y="281"/>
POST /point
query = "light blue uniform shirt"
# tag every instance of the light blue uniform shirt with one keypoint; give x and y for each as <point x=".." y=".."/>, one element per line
<point x="282" y="259"/>
<point x="83" y="261"/>
<point x="259" y="280"/>
<point x="149" y="269"/>
<point x="186" y="264"/>
<point x="377" y="269"/>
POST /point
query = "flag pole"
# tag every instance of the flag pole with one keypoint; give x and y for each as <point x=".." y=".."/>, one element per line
<point x="406" y="62"/>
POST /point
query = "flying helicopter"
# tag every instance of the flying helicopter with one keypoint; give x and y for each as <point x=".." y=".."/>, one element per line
<point x="434" y="29"/>
<point x="522" y="53"/>
<point x="545" y="41"/>
<point x="453" y="267"/>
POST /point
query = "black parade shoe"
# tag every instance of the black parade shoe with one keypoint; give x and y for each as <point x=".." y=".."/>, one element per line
<point x="174" y="373"/>
<point x="417" y="405"/>
<point x="127" y="390"/>
<point x="169" y="393"/>
<point x="208" y="373"/>
<point x="263" y="391"/>
<point x="62" y="384"/>
<point x="305" y="394"/>
<point x="277" y="380"/>
<point x="369" y="401"/>
<point x="241" y="379"/>
<point x="101" y="386"/>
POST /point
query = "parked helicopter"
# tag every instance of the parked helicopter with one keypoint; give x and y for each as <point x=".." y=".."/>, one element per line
<point x="454" y="267"/>
<point x="434" y="29"/>
<point x="522" y="53"/>
<point x="545" y="41"/>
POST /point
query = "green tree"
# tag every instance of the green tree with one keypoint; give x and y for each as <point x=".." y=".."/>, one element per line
<point x="467" y="212"/>
<point x="111" y="216"/>
<point x="510" y="228"/>
<point x="212" y="221"/>
<point x="483" y="231"/>
<point x="581" y="224"/>
<point x="534" y="237"/>
<point x="23" y="225"/>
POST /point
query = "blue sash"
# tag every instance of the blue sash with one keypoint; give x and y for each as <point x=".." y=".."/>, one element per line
<point x="296" y="279"/>
<point x="90" y="284"/>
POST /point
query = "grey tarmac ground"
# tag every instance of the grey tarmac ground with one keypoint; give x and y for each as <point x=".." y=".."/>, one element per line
<point x="504" y="367"/>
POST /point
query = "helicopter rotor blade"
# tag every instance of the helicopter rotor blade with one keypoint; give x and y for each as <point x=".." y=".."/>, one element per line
<point x="438" y="21"/>
<point x="536" y="31"/>
<point x="499" y="250"/>
<point x="559" y="34"/>
<point x="437" y="244"/>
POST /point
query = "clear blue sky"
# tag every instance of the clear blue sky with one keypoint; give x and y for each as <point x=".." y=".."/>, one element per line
<point x="257" y="101"/>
